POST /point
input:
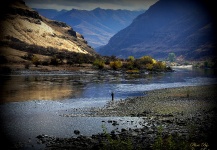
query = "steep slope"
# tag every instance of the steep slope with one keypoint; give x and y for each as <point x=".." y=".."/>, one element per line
<point x="23" y="25"/>
<point x="98" y="25"/>
<point x="185" y="27"/>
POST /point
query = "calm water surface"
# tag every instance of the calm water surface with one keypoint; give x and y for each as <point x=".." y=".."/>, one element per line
<point x="33" y="104"/>
<point x="85" y="89"/>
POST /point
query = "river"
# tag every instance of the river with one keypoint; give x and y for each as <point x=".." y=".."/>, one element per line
<point x="33" y="104"/>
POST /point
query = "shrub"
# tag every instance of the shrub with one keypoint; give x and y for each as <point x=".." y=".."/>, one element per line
<point x="116" y="64"/>
<point x="147" y="60"/>
<point x="138" y="64"/>
<point x="208" y="64"/>
<point x="129" y="65"/>
<point x="131" y="58"/>
<point x="54" y="61"/>
<point x="35" y="60"/>
<point x="149" y="66"/>
<point x="27" y="65"/>
<point x="100" y="64"/>
<point x="28" y="56"/>
<point x="115" y="144"/>
<point x="169" y="142"/>
<point x="159" y="66"/>
<point x="45" y="63"/>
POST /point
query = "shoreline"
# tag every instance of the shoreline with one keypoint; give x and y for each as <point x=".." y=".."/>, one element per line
<point x="164" y="101"/>
<point x="184" y="113"/>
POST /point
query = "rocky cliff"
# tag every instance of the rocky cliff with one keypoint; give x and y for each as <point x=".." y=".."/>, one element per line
<point x="20" y="24"/>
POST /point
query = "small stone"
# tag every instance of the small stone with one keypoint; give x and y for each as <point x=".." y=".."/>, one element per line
<point x="123" y="130"/>
<point x="77" y="132"/>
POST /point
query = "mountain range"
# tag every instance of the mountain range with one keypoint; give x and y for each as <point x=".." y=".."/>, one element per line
<point x="49" y="13"/>
<point x="184" y="27"/>
<point x="97" y="26"/>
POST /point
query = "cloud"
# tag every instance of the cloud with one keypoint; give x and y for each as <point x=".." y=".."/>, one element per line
<point x="91" y="4"/>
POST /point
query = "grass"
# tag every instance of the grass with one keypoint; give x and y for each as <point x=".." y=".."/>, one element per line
<point x="115" y="144"/>
<point x="162" y="142"/>
<point x="169" y="142"/>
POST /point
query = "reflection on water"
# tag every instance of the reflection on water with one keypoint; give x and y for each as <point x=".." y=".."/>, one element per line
<point x="23" y="88"/>
<point x="95" y="86"/>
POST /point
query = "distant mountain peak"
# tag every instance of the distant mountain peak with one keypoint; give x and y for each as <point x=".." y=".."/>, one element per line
<point x="98" y="25"/>
<point x="184" y="27"/>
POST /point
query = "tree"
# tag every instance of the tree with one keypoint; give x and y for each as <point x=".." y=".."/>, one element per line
<point x="172" y="57"/>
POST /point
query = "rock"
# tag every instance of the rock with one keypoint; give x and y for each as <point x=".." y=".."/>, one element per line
<point x="123" y="130"/>
<point x="137" y="130"/>
<point x="112" y="132"/>
<point x="77" y="132"/>
<point x="115" y="123"/>
<point x="181" y="123"/>
<point x="168" y="115"/>
<point x="167" y="121"/>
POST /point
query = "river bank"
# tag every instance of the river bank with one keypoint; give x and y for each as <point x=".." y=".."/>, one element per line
<point x="178" y="118"/>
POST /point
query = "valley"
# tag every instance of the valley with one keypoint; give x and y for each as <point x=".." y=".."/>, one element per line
<point x="108" y="78"/>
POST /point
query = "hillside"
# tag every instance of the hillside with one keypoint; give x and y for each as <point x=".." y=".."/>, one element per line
<point x="184" y="27"/>
<point x="98" y="25"/>
<point x="24" y="31"/>
<point x="28" y="26"/>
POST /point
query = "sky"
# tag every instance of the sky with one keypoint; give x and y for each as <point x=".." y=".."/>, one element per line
<point x="91" y="4"/>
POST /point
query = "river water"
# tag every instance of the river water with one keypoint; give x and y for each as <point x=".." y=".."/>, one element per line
<point x="32" y="104"/>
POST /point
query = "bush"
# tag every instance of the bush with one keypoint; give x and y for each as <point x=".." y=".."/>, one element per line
<point x="100" y="64"/>
<point x="27" y="65"/>
<point x="45" y="63"/>
<point x="54" y="61"/>
<point x="138" y="64"/>
<point x="159" y="66"/>
<point x="147" y="60"/>
<point x="208" y="64"/>
<point x="169" y="142"/>
<point x="149" y="66"/>
<point x="115" y="64"/>
<point x="35" y="60"/>
<point x="131" y="58"/>
<point x="28" y="56"/>
<point x="115" y="144"/>
<point x="129" y="65"/>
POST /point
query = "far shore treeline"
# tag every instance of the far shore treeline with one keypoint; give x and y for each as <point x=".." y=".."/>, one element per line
<point x="34" y="56"/>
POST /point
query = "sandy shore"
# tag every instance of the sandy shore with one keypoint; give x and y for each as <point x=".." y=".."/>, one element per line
<point x="183" y="100"/>
<point x="176" y="118"/>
